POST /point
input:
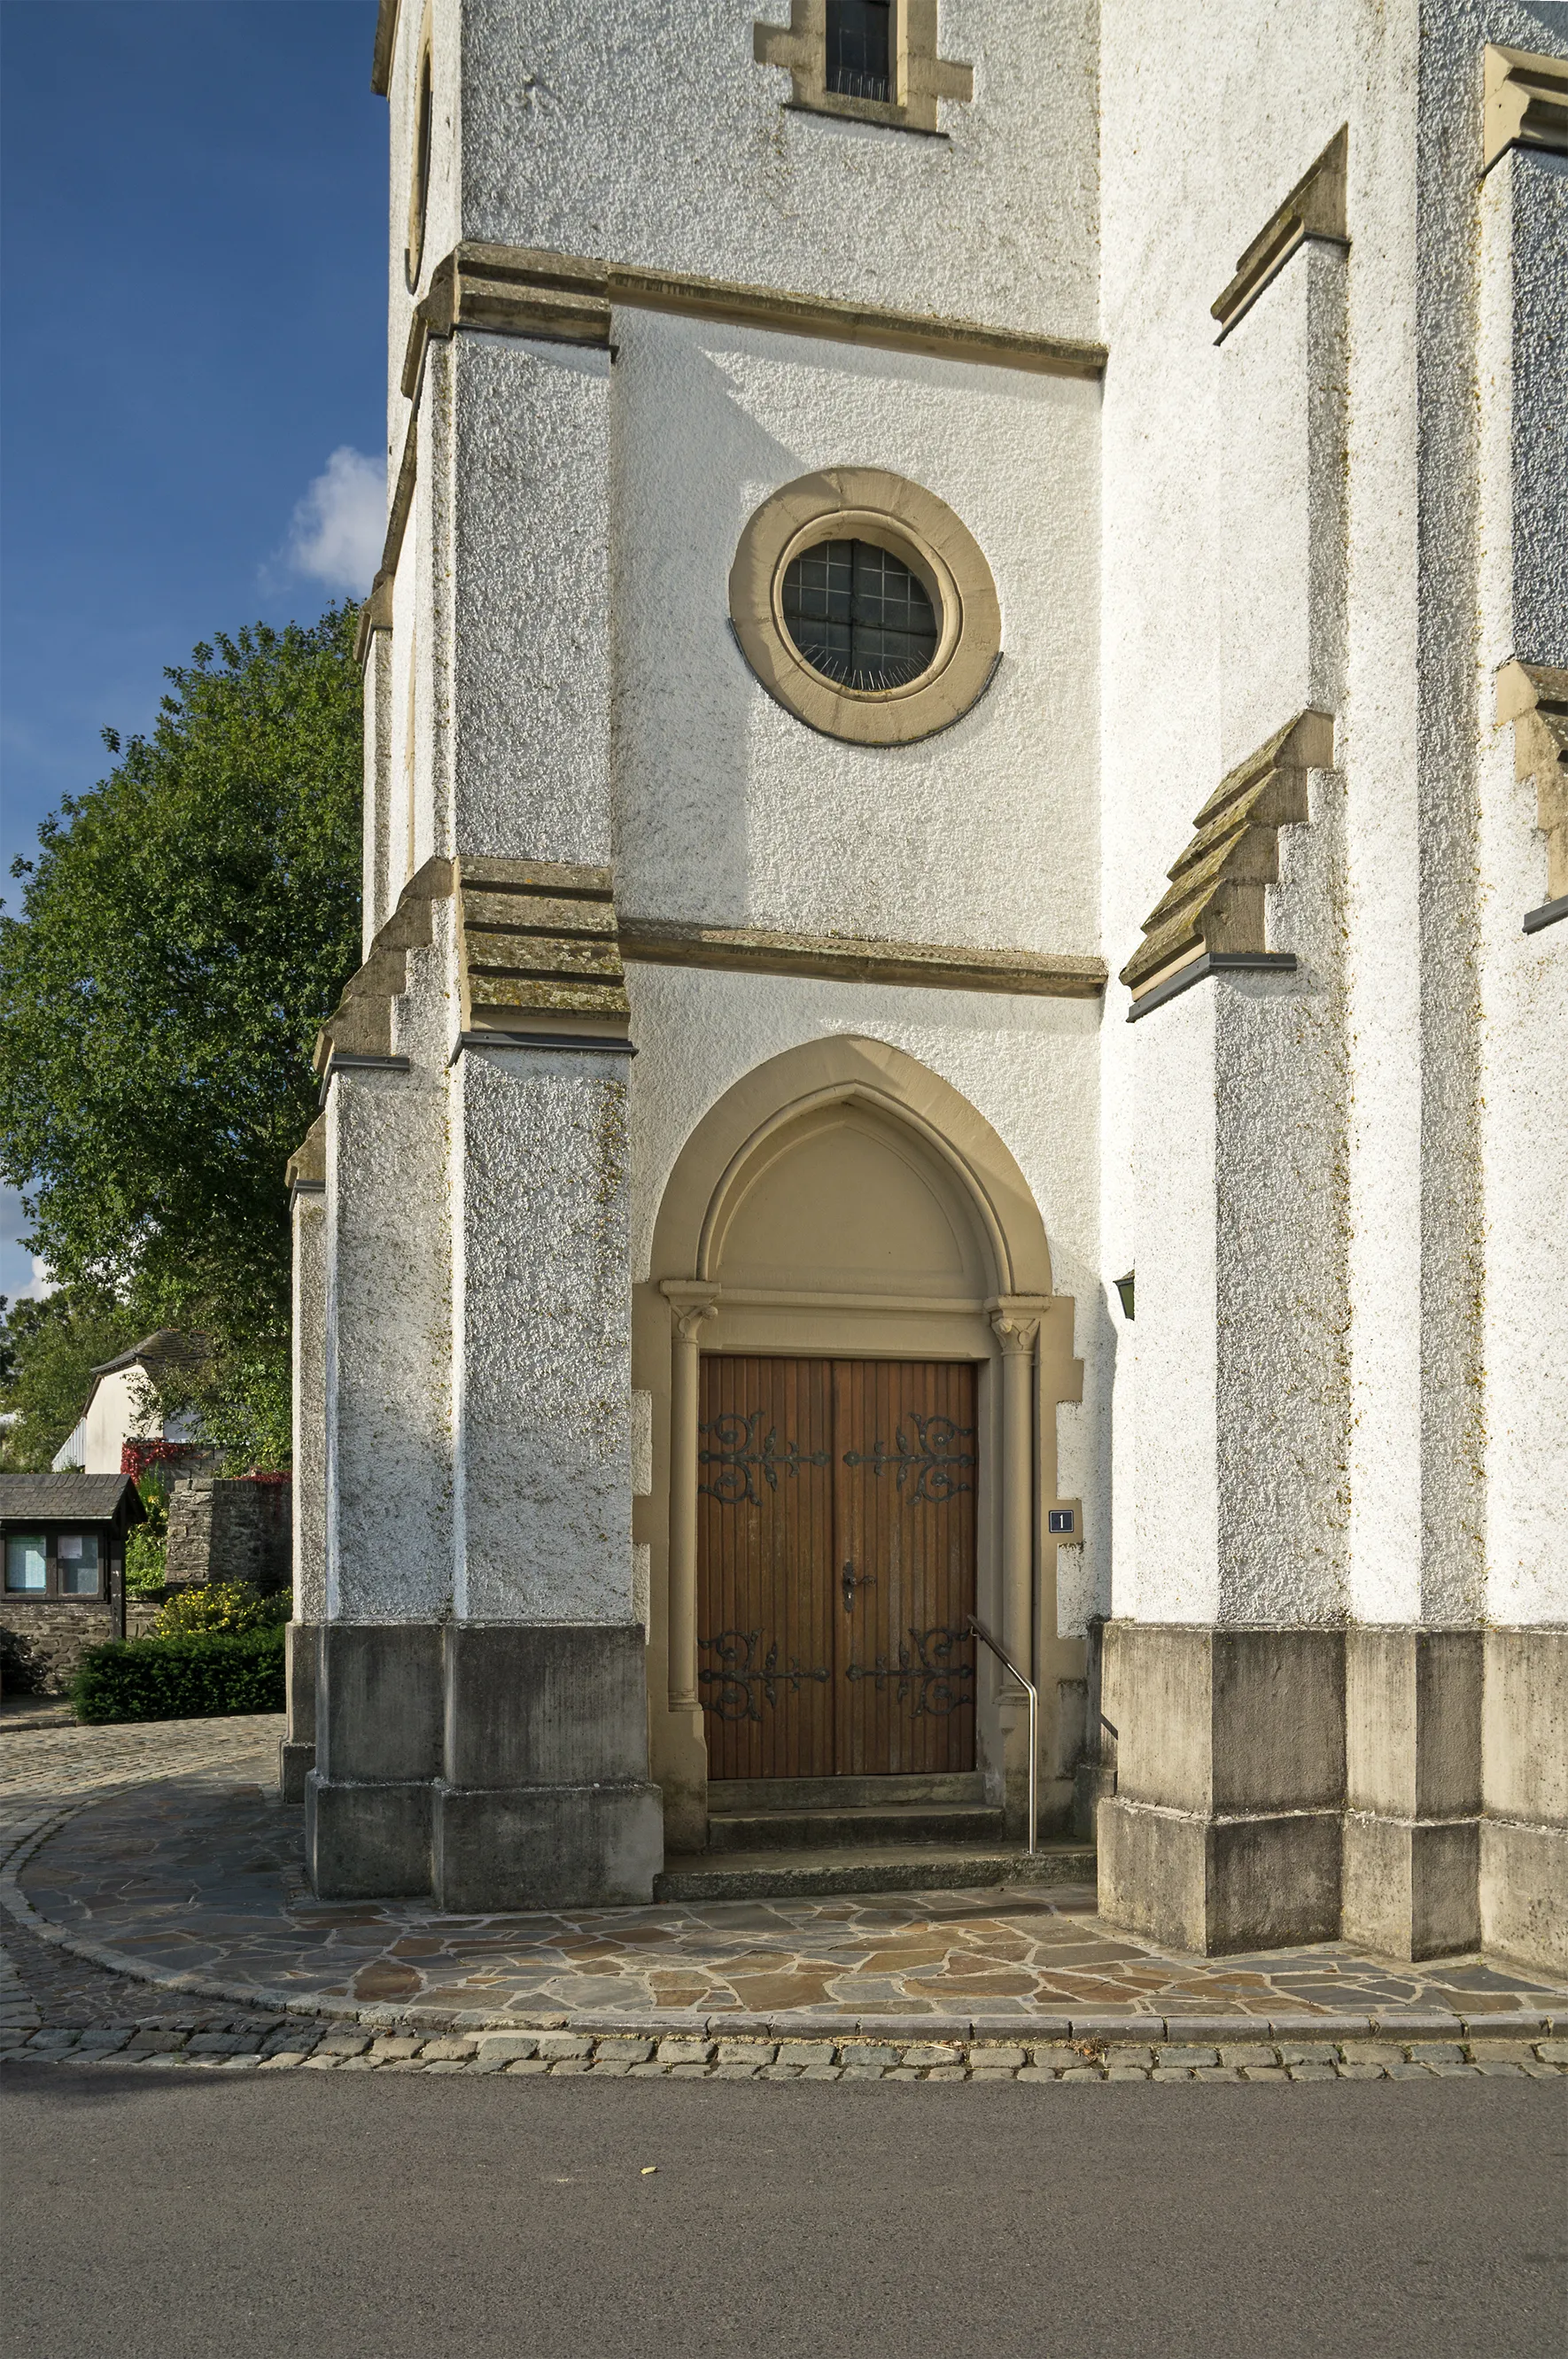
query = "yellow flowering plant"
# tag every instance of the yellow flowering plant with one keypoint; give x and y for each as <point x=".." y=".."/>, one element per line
<point x="229" y="1605"/>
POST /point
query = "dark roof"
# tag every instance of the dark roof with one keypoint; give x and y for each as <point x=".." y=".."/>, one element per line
<point x="60" y="1498"/>
<point x="163" y="1344"/>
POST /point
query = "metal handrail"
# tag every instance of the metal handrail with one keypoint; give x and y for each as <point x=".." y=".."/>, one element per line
<point x="1033" y="1695"/>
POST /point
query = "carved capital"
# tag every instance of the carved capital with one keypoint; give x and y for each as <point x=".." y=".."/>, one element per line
<point x="690" y="1300"/>
<point x="1015" y="1321"/>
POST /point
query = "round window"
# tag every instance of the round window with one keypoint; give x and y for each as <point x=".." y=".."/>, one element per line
<point x="859" y="616"/>
<point x="864" y="606"/>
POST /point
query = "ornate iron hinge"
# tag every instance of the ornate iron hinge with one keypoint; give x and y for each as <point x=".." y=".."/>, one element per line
<point x="739" y="1456"/>
<point x="739" y="1678"/>
<point x="930" y="1675"/>
<point x="932" y="1460"/>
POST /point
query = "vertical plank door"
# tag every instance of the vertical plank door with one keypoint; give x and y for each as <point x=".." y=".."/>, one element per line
<point x="904" y="1482"/>
<point x="836" y="1566"/>
<point x="764" y="1638"/>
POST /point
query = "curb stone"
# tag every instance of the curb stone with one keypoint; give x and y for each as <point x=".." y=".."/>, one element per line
<point x="521" y="2056"/>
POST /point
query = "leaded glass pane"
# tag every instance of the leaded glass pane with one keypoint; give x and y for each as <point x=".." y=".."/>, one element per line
<point x="859" y="49"/>
<point x="859" y="616"/>
<point x="26" y="1564"/>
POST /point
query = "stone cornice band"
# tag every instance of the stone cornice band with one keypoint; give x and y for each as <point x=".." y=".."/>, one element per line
<point x="846" y="958"/>
<point x="540" y="951"/>
<point x="508" y="290"/>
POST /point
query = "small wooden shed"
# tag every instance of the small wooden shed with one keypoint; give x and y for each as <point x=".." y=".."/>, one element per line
<point x="63" y="1580"/>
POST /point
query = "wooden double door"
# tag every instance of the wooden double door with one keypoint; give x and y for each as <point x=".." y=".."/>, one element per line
<point x="836" y="1566"/>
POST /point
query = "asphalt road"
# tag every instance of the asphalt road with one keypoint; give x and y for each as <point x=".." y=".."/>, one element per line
<point x="377" y="2217"/>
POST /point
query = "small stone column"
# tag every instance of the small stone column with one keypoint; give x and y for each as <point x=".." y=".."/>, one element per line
<point x="1015" y="1321"/>
<point x="691" y="1303"/>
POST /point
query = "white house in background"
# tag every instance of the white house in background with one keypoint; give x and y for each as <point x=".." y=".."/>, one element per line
<point x="123" y="1407"/>
<point x="965" y="1003"/>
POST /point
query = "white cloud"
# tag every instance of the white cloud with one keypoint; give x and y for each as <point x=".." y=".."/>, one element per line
<point x="341" y="523"/>
<point x="22" y="1274"/>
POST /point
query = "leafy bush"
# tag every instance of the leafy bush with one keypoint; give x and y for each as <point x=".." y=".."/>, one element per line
<point x="193" y="1677"/>
<point x="231" y="1605"/>
<point x="147" y="1561"/>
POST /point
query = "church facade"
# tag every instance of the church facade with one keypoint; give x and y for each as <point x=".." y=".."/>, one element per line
<point x="964" y="1015"/>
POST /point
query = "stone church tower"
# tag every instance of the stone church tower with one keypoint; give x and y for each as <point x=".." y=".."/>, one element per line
<point x="965" y="1002"/>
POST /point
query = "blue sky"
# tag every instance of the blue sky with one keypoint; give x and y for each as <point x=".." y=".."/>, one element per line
<point x="193" y="242"/>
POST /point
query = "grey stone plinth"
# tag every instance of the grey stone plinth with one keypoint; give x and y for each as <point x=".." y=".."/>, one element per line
<point x="545" y="1846"/>
<point x="366" y="1841"/>
<point x="1215" y="1721"/>
<point x="1224" y="1830"/>
<point x="378" y="1702"/>
<point x="297" y="1753"/>
<point x="378" y="1750"/>
<point x="496" y="1765"/>
<point x="295" y="1763"/>
<point x="1412" y="1709"/>
<point x="1211" y="1884"/>
<point x="558" y="1704"/>
<point x="1524" y="1892"/>
<point x="1411" y="1885"/>
<point x="1525" y="1739"/>
<point x="544" y="1801"/>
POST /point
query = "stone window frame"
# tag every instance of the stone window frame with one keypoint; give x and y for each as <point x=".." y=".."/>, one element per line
<point x="913" y="524"/>
<point x="423" y="144"/>
<point x="921" y="77"/>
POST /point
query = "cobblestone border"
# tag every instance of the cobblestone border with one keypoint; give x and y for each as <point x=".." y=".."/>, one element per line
<point x="273" y="2046"/>
<point x="1327" y="2035"/>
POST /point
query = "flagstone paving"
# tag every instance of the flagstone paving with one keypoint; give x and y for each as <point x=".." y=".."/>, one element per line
<point x="189" y="1871"/>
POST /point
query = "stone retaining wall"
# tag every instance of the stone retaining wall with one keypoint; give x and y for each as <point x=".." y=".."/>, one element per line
<point x="230" y="1529"/>
<point x="42" y="1641"/>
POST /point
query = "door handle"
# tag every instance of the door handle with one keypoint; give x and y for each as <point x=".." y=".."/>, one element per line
<point x="852" y="1579"/>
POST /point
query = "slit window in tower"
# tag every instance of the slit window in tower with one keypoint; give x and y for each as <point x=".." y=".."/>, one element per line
<point x="419" y="177"/>
<point x="860" y="56"/>
<point x="859" y="616"/>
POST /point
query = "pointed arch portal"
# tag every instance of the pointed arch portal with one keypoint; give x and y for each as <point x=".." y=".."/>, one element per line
<point x="857" y="1357"/>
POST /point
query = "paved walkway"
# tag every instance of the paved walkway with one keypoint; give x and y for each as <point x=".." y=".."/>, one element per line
<point x="162" y="1854"/>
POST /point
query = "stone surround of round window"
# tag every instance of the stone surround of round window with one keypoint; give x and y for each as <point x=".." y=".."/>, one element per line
<point x="864" y="606"/>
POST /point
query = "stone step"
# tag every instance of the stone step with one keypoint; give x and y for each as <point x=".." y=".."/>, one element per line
<point x="902" y="1868"/>
<point x="942" y="1826"/>
<point x="728" y="1795"/>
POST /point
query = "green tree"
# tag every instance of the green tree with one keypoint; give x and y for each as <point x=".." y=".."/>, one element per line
<point x="49" y="1350"/>
<point x="185" y="928"/>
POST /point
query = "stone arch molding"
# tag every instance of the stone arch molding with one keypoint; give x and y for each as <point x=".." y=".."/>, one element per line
<point x="720" y="1158"/>
<point x="871" y="1129"/>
